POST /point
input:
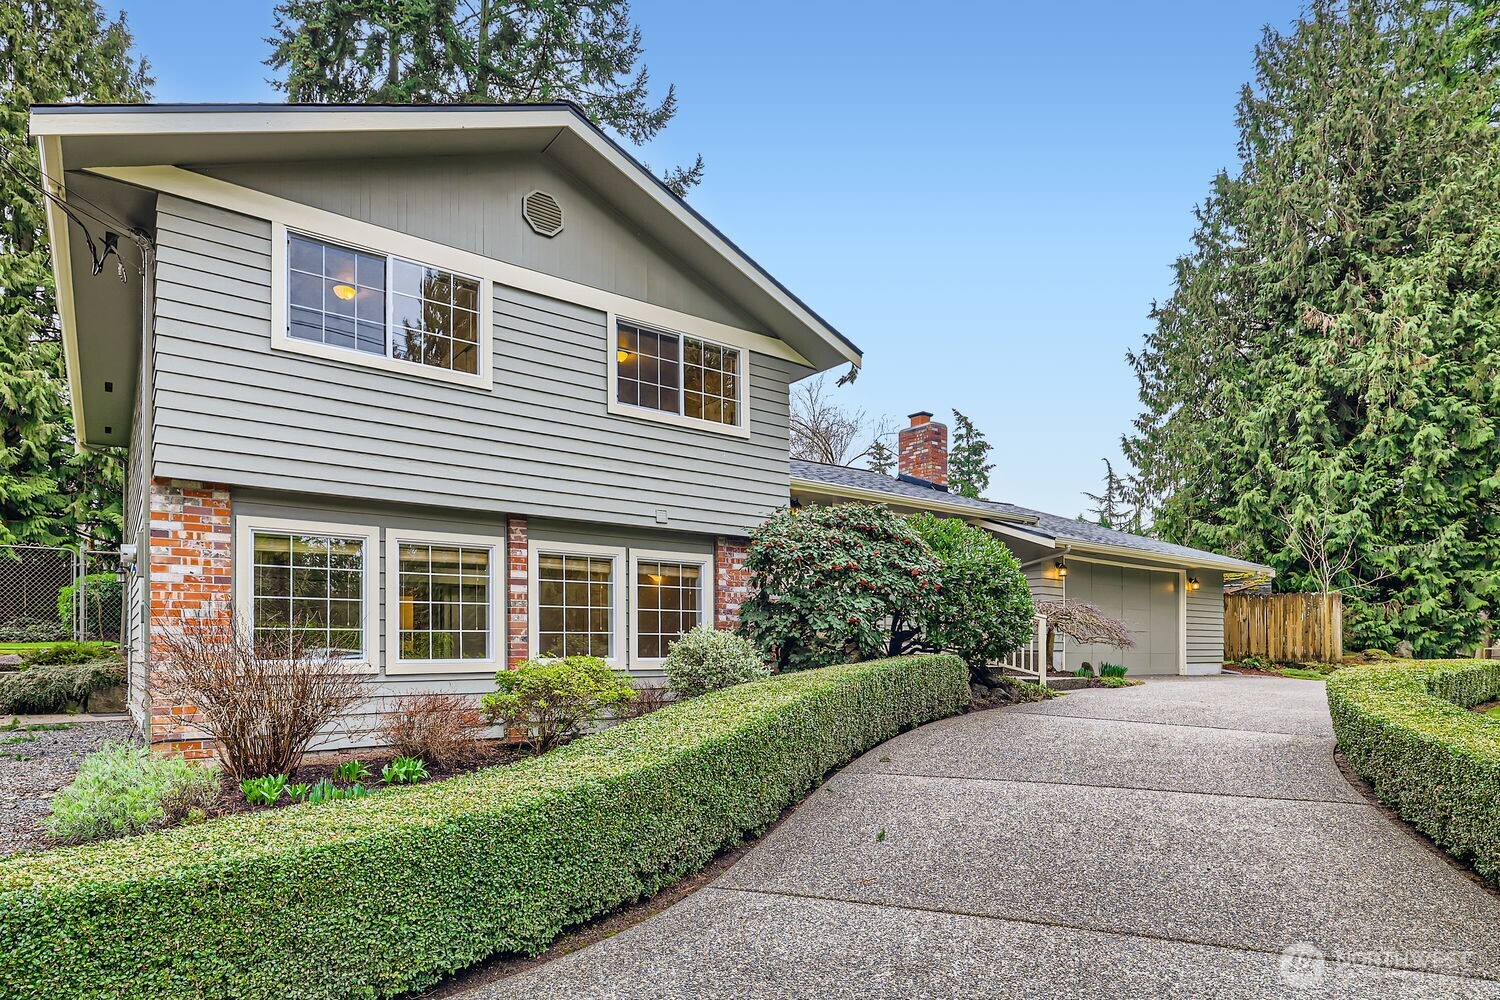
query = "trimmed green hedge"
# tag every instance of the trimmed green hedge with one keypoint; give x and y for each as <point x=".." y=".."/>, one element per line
<point x="378" y="896"/>
<point x="1409" y="732"/>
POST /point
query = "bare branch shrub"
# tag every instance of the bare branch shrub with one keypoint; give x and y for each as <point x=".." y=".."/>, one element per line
<point x="262" y="700"/>
<point x="441" y="729"/>
<point x="1084" y="622"/>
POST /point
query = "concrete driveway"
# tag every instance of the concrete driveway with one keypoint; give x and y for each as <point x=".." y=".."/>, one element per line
<point x="1188" y="838"/>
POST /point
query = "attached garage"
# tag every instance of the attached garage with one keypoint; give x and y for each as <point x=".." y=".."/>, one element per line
<point x="1149" y="600"/>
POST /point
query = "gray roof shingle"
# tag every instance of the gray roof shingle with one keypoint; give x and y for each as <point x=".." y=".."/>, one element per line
<point x="1047" y="527"/>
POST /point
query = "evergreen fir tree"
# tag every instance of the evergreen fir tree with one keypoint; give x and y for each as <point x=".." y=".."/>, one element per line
<point x="50" y="494"/>
<point x="880" y="458"/>
<point x="968" y="470"/>
<point x="1116" y="507"/>
<point x="1329" y="353"/>
<point x="475" y="52"/>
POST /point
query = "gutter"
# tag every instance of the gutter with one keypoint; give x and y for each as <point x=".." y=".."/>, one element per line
<point x="1063" y="554"/>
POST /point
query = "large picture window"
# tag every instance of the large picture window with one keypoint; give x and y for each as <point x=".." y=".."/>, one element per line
<point x="668" y="602"/>
<point x="310" y="584"/>
<point x="379" y="304"/>
<point x="576" y="603"/>
<point x="443" y="598"/>
<point x="677" y="374"/>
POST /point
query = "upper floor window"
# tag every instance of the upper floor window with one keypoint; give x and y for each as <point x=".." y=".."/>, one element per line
<point x="677" y="374"/>
<point x="382" y="305"/>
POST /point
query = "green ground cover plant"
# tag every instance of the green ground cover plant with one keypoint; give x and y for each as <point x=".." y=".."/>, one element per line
<point x="379" y="896"/>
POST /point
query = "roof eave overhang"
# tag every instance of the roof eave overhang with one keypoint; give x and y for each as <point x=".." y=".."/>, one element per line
<point x="817" y="487"/>
<point x="1205" y="560"/>
<point x="824" y="346"/>
<point x="50" y="152"/>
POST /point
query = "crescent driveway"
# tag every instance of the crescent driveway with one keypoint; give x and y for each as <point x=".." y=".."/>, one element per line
<point x="1187" y="838"/>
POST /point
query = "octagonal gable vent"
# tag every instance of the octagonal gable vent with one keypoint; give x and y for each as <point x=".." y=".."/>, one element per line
<point x="542" y="213"/>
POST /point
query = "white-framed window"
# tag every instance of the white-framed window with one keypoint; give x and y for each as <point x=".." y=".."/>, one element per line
<point x="318" y="578"/>
<point x="577" y="603"/>
<point x="444" y="602"/>
<point x="351" y="303"/>
<point x="677" y="378"/>
<point x="672" y="593"/>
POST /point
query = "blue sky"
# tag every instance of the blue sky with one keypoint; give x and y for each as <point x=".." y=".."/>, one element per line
<point x="986" y="197"/>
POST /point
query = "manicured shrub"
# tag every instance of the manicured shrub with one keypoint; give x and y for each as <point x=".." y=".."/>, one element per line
<point x="827" y="583"/>
<point x="54" y="687"/>
<point x="122" y="789"/>
<point x="1407" y="730"/>
<point x="983" y="610"/>
<point x="706" y="659"/>
<point x="443" y="729"/>
<point x="550" y="701"/>
<point x="383" y="895"/>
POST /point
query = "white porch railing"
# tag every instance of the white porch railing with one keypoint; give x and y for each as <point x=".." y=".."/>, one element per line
<point x="1032" y="657"/>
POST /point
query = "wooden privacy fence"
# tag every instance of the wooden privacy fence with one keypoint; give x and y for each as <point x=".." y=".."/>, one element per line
<point x="1284" y="627"/>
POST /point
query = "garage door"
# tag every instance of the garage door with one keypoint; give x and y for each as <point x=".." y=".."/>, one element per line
<point x="1147" y="600"/>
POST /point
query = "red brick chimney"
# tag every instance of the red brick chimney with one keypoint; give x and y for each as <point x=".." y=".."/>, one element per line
<point x="924" y="450"/>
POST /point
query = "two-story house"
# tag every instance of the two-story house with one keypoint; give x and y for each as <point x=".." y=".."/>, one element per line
<point x="447" y="386"/>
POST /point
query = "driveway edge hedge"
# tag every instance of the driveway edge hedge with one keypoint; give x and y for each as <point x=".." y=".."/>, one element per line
<point x="380" y="896"/>
<point x="1408" y="731"/>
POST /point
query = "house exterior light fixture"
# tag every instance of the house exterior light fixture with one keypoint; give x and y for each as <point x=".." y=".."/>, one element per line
<point x="1192" y="583"/>
<point x="1062" y="567"/>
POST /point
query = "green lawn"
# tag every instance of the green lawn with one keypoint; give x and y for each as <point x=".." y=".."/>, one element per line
<point x="1494" y="713"/>
<point x="1303" y="674"/>
<point x="30" y="647"/>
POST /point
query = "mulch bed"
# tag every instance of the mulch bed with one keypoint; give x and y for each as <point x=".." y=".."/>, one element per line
<point x="317" y="766"/>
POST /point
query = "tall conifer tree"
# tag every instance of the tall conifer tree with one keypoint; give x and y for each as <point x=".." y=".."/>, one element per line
<point x="51" y="51"/>
<point x="475" y="52"/>
<point x="1331" y="351"/>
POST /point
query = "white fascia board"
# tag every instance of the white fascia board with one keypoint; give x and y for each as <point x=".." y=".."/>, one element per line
<point x="50" y="152"/>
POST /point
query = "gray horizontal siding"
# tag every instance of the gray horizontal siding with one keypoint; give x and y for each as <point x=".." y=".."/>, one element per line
<point x="1205" y="621"/>
<point x="541" y="442"/>
<point x="474" y="203"/>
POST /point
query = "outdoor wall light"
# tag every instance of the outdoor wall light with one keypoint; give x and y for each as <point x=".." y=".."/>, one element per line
<point x="1192" y="583"/>
<point x="1062" y="567"/>
<point x="345" y="292"/>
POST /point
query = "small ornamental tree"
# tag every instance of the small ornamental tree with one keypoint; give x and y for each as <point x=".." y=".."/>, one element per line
<point x="1085" y="623"/>
<point x="828" y="581"/>
<point x="983" y="611"/>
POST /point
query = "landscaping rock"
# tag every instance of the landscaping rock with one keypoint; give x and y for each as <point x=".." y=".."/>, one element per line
<point x="8" y="660"/>
<point x="34" y="765"/>
<point x="107" y="701"/>
<point x="1404" y="650"/>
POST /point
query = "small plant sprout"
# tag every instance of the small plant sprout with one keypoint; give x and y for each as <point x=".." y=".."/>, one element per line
<point x="404" y="771"/>
<point x="880" y="837"/>
<point x="297" y="793"/>
<point x="264" y="791"/>
<point x="352" y="770"/>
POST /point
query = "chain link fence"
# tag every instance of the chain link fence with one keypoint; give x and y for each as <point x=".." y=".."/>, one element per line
<point x="54" y="594"/>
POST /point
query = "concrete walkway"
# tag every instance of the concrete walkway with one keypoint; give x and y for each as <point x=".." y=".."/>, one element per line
<point x="1188" y="838"/>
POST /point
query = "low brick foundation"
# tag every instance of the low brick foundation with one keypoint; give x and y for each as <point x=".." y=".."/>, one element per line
<point x="191" y="578"/>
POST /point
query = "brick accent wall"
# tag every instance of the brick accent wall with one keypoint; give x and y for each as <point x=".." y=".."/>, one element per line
<point x="924" y="450"/>
<point x="731" y="580"/>
<point x="191" y="577"/>
<point x="517" y="592"/>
